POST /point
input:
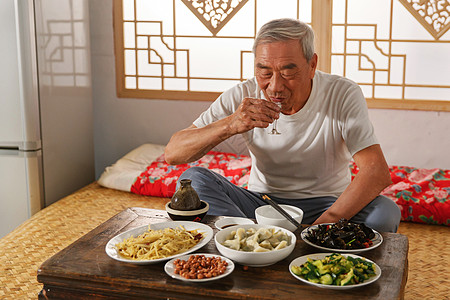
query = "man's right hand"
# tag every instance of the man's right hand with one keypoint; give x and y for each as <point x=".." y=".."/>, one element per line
<point x="192" y="143"/>
<point x="251" y="113"/>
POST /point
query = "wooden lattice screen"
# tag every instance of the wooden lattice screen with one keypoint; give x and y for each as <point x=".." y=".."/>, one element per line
<point x="397" y="50"/>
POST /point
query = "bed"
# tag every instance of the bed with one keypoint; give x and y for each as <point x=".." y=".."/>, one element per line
<point x="125" y="184"/>
<point x="421" y="194"/>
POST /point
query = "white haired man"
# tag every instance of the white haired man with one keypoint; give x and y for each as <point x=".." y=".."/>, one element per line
<point x="324" y="123"/>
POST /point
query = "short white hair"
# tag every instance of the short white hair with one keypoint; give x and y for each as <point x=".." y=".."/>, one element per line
<point x="287" y="29"/>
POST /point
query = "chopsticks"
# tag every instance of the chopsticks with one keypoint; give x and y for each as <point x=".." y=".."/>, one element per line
<point x="281" y="211"/>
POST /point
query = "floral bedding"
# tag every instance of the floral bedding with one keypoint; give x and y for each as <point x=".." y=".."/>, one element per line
<point x="421" y="194"/>
<point x="160" y="178"/>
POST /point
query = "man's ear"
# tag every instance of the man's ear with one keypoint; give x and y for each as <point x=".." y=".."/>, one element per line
<point x="313" y="65"/>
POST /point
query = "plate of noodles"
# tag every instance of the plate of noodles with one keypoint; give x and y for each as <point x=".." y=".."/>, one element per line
<point x="158" y="242"/>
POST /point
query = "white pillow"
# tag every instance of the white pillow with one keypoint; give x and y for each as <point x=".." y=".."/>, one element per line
<point x="123" y="173"/>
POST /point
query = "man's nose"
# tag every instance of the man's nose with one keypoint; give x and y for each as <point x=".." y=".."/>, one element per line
<point x="276" y="83"/>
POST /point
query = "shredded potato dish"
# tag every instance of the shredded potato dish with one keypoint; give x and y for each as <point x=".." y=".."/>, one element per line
<point x="155" y="244"/>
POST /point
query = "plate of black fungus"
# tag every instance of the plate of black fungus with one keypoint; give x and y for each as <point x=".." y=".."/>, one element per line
<point x="342" y="236"/>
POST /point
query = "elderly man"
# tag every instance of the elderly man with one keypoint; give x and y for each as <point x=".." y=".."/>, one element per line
<point x="323" y="123"/>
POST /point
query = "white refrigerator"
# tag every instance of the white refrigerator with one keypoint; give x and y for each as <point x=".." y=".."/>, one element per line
<point x="46" y="111"/>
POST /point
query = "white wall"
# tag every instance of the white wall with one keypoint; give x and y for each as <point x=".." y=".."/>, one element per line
<point x="413" y="138"/>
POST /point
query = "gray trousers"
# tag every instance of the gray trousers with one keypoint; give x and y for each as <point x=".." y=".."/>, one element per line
<point x="227" y="199"/>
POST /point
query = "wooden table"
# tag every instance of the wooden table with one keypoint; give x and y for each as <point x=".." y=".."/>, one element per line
<point x="84" y="271"/>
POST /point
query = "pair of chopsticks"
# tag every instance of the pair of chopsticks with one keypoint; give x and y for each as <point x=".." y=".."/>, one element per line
<point x="281" y="211"/>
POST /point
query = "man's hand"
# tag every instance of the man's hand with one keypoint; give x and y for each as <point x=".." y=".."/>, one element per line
<point x="191" y="143"/>
<point x="253" y="113"/>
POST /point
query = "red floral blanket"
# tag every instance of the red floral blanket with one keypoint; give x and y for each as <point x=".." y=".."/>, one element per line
<point x="421" y="194"/>
<point x="160" y="178"/>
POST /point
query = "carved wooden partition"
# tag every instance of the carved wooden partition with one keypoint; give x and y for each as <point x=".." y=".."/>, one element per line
<point x="396" y="50"/>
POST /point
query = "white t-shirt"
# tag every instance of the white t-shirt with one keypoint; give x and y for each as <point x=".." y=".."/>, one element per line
<point x="310" y="158"/>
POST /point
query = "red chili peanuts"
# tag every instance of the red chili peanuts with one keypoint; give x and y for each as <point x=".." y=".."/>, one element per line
<point x="200" y="267"/>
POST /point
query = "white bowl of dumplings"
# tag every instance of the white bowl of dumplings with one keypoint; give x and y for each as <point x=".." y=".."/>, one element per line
<point x="255" y="245"/>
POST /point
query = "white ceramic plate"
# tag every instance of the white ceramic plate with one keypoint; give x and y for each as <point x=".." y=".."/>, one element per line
<point x="376" y="241"/>
<point x="111" y="245"/>
<point x="302" y="259"/>
<point x="169" y="268"/>
<point x="230" y="221"/>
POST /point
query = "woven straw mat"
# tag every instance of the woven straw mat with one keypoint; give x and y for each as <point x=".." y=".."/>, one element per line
<point x="55" y="227"/>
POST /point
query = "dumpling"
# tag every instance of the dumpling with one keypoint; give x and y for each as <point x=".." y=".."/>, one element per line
<point x="274" y="241"/>
<point x="261" y="249"/>
<point x="266" y="244"/>
<point x="232" y="235"/>
<point x="281" y="245"/>
<point x="280" y="235"/>
<point x="241" y="234"/>
<point x="251" y="231"/>
<point x="263" y="234"/>
<point x="251" y="244"/>
<point x="232" y="244"/>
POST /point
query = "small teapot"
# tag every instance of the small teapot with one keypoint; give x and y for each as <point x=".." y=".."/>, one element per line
<point x="185" y="198"/>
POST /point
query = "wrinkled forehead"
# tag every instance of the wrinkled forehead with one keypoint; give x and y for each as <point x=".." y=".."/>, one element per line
<point x="270" y="44"/>
<point x="282" y="53"/>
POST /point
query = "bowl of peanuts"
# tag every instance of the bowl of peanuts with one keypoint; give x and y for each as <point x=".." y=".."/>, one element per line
<point x="199" y="267"/>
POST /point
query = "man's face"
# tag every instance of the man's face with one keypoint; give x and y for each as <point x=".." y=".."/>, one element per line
<point x="284" y="75"/>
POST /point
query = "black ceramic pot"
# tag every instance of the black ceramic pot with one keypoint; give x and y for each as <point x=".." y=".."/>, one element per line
<point x="196" y="215"/>
<point x="185" y="198"/>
